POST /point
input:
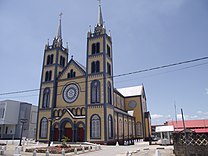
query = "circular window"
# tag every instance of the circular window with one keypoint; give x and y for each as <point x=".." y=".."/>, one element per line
<point x="132" y="104"/>
<point x="70" y="93"/>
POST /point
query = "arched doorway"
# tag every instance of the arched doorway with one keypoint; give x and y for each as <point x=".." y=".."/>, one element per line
<point x="56" y="133"/>
<point x="80" y="133"/>
<point x="67" y="131"/>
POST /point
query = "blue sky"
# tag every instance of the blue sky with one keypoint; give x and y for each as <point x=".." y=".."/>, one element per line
<point x="146" y="33"/>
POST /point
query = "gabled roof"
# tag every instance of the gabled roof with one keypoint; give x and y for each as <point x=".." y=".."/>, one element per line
<point x="76" y="63"/>
<point x="131" y="91"/>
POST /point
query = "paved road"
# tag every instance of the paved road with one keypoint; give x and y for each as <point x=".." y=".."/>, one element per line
<point x="142" y="148"/>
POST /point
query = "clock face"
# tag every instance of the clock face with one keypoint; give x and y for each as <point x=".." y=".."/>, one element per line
<point x="70" y="93"/>
<point x="132" y="104"/>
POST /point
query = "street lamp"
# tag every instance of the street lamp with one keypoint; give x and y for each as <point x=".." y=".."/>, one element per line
<point x="51" y="121"/>
<point x="23" y="121"/>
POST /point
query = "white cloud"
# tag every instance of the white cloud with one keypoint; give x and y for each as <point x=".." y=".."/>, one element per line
<point x="156" y="116"/>
<point x="199" y="112"/>
<point x="206" y="90"/>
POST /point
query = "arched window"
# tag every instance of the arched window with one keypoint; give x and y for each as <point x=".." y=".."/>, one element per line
<point x="95" y="126"/>
<point x="108" y="51"/>
<point x="93" y="48"/>
<point x="62" y="61"/>
<point x="109" y="93"/>
<point x="97" y="66"/>
<point x="95" y="91"/>
<point x="43" y="128"/>
<point x="93" y="67"/>
<point x="46" y="98"/>
<point x="72" y="74"/>
<point x="48" y="59"/>
<point x="120" y="128"/>
<point x="110" y="126"/>
<point x="138" y="129"/>
<point x="51" y="60"/>
<point x="46" y="76"/>
<point x="97" y="47"/>
<point x="108" y="68"/>
<point x="49" y="75"/>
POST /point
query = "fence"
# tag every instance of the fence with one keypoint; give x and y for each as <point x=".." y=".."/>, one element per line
<point x="190" y="144"/>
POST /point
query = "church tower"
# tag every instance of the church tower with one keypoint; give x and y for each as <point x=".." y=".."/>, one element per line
<point x="99" y="84"/>
<point x="54" y="61"/>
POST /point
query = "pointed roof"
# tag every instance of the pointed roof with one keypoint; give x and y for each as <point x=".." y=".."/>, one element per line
<point x="100" y="17"/>
<point x="59" y="35"/>
<point x="81" y="68"/>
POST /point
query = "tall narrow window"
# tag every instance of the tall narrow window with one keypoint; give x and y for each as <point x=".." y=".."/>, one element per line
<point x="51" y="60"/>
<point x="97" y="66"/>
<point x="108" y="51"/>
<point x="95" y="126"/>
<point x="93" y="48"/>
<point x="71" y="74"/>
<point x="109" y="93"/>
<point x="43" y="128"/>
<point x="138" y="128"/>
<point x="46" y="98"/>
<point x="50" y="75"/>
<point x="97" y="47"/>
<point x="46" y="76"/>
<point x="95" y="91"/>
<point x="93" y="67"/>
<point x="110" y="126"/>
<point x="108" y="68"/>
<point x="48" y="59"/>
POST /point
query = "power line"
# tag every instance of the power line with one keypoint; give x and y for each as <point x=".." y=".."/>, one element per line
<point x="119" y="75"/>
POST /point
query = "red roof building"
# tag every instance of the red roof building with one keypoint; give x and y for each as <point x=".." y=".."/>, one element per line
<point x="198" y="126"/>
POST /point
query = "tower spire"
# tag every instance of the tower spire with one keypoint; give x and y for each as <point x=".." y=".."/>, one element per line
<point x="57" y="41"/>
<point x="59" y="35"/>
<point x="100" y="17"/>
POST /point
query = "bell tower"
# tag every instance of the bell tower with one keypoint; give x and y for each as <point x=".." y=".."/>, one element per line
<point x="54" y="61"/>
<point x="99" y="81"/>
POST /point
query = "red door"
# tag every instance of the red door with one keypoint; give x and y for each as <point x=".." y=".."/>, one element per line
<point x="81" y="134"/>
<point x="68" y="133"/>
<point x="56" y="134"/>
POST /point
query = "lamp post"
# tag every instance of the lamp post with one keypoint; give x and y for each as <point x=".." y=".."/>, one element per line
<point x="50" y="135"/>
<point x="23" y="121"/>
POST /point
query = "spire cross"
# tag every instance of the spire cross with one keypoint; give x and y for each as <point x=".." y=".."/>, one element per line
<point x="99" y="1"/>
<point x="60" y="15"/>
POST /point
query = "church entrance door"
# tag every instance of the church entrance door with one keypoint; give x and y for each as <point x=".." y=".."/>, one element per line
<point x="56" y="134"/>
<point x="68" y="131"/>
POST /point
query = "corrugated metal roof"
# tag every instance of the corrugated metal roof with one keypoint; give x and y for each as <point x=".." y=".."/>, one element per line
<point x="189" y="124"/>
<point x="131" y="91"/>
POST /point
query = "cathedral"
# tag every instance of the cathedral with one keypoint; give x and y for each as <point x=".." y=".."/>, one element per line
<point x="81" y="102"/>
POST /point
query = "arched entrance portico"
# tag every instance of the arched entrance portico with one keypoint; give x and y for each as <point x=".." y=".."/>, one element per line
<point x="67" y="129"/>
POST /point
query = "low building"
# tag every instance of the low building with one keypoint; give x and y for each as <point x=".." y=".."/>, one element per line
<point x="11" y="115"/>
<point x="198" y="126"/>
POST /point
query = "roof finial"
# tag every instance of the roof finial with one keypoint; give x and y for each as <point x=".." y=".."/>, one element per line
<point x="100" y="17"/>
<point x="59" y="27"/>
